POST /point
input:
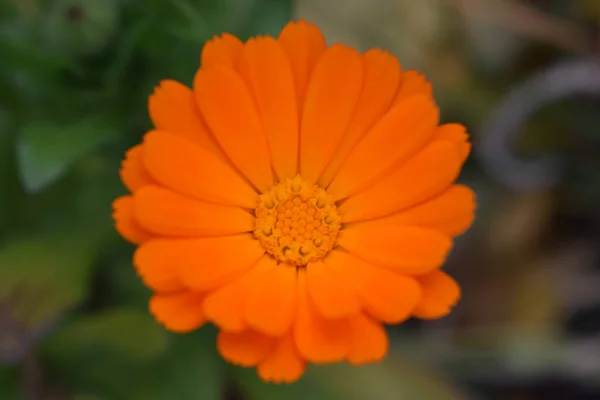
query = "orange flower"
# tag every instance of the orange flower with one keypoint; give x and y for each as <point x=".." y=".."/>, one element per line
<point x="299" y="197"/>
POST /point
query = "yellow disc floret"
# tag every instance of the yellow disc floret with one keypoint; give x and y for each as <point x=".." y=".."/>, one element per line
<point x="297" y="223"/>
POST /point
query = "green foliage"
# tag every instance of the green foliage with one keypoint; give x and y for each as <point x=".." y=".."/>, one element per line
<point x="75" y="76"/>
<point x="45" y="151"/>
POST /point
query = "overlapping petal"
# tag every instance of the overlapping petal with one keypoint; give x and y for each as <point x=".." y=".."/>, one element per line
<point x="133" y="171"/>
<point x="230" y="112"/>
<point x="382" y="75"/>
<point x="422" y="177"/>
<point x="186" y="168"/>
<point x="167" y="213"/>
<point x="268" y="73"/>
<point x="125" y="222"/>
<point x="304" y="44"/>
<point x="179" y="312"/>
<point x="406" y="128"/>
<point x="440" y="294"/>
<point x="408" y="250"/>
<point x="173" y="109"/>
<point x="332" y="94"/>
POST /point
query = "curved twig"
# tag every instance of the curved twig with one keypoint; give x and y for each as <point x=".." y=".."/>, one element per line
<point x="566" y="79"/>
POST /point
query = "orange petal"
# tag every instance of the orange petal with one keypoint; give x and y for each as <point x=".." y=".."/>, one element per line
<point x="271" y="306"/>
<point x="226" y="306"/>
<point x="408" y="250"/>
<point x="331" y="98"/>
<point x="457" y="134"/>
<point x="451" y="213"/>
<point x="179" y="164"/>
<point x="317" y="339"/>
<point x="369" y="340"/>
<point x="382" y="75"/>
<point x="422" y="177"/>
<point x="304" y="44"/>
<point x="412" y="83"/>
<point x="156" y="263"/>
<point x="247" y="349"/>
<point x="230" y="111"/>
<point x="400" y="134"/>
<point x="125" y="222"/>
<point x="221" y="50"/>
<point x="387" y="296"/>
<point x="178" y="312"/>
<point x="284" y="365"/>
<point x="330" y="291"/>
<point x="440" y="294"/>
<point x="173" y="109"/>
<point x="268" y="73"/>
<point x="212" y="262"/>
<point x="165" y="212"/>
<point x="133" y="172"/>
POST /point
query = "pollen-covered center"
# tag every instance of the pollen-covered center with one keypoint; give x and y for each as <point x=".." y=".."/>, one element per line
<point x="296" y="223"/>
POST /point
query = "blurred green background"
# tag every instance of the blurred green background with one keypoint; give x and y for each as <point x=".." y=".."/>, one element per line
<point x="523" y="75"/>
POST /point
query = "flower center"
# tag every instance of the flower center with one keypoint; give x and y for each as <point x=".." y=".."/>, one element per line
<point x="296" y="223"/>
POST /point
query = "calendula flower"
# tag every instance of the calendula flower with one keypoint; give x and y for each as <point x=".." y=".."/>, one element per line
<point x="298" y="197"/>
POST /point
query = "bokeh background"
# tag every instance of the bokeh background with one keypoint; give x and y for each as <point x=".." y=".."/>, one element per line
<point x="523" y="75"/>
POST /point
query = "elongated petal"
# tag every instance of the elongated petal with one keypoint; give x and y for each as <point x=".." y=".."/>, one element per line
<point x="247" y="349"/>
<point x="400" y="134"/>
<point x="210" y="263"/>
<point x="451" y="213"/>
<point x="317" y="339"/>
<point x="440" y="294"/>
<point x="226" y="306"/>
<point x="284" y="365"/>
<point x="304" y="44"/>
<point x="369" y="340"/>
<point x="156" y="263"/>
<point x="181" y="165"/>
<point x="125" y="222"/>
<point x="382" y="75"/>
<point x="331" y="98"/>
<point x="133" y="172"/>
<point x="457" y="134"/>
<point x="178" y="312"/>
<point x="423" y="177"/>
<point x="221" y="50"/>
<point x="173" y="109"/>
<point x="231" y="114"/>
<point x="167" y="213"/>
<point x="271" y="306"/>
<point x="412" y="83"/>
<point x="404" y="249"/>
<point x="387" y="296"/>
<point x="268" y="73"/>
<point x="330" y="291"/>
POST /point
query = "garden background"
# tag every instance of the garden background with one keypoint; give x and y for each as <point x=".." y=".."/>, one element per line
<point x="523" y="75"/>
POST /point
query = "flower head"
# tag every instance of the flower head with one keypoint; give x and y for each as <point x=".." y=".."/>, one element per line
<point x="298" y="197"/>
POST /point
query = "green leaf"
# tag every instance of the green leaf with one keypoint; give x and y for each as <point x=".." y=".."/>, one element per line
<point x="116" y="346"/>
<point x="45" y="150"/>
<point x="127" y="332"/>
<point x="42" y="276"/>
<point x="308" y="387"/>
<point x="192" y="368"/>
<point x="9" y="384"/>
